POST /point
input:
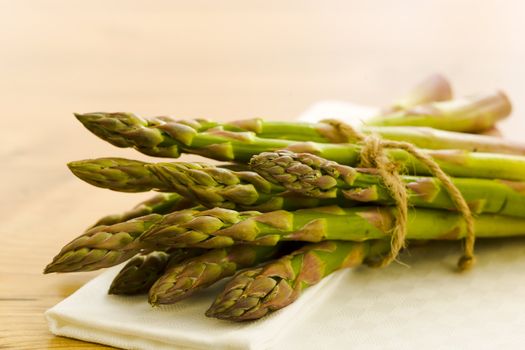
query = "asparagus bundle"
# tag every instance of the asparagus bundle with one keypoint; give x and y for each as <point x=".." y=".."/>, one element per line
<point x="210" y="221"/>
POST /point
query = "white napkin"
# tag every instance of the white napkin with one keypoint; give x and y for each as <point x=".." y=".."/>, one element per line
<point x="427" y="305"/>
<point x="131" y="323"/>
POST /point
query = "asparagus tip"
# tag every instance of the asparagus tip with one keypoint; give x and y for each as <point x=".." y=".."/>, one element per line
<point x="75" y="166"/>
<point x="87" y="117"/>
<point x="153" y="300"/>
<point x="50" y="268"/>
<point x="505" y="101"/>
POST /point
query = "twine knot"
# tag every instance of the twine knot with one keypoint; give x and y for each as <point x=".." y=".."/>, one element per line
<point x="373" y="155"/>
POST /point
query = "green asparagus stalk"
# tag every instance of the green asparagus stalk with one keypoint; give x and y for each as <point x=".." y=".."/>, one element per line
<point x="161" y="203"/>
<point x="217" y="228"/>
<point x="206" y="184"/>
<point x="470" y="114"/>
<point x="433" y="89"/>
<point x="164" y="139"/>
<point x="425" y="137"/>
<point x="128" y="130"/>
<point x="182" y="280"/>
<point x="103" y="246"/>
<point x="421" y="136"/>
<point x="256" y="292"/>
<point x="316" y="177"/>
<point x="218" y="187"/>
<point x="141" y="271"/>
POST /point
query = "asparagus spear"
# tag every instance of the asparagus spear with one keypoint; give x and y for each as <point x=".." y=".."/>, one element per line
<point x="123" y="173"/>
<point x="430" y="138"/>
<point x="140" y="133"/>
<point x="217" y="228"/>
<point x="256" y="292"/>
<point x="432" y="89"/>
<point x="139" y="274"/>
<point x="218" y="187"/>
<point x="164" y="139"/>
<point x="181" y="280"/>
<point x="470" y="114"/>
<point x="421" y="136"/>
<point x="314" y="176"/>
<point x="206" y="184"/>
<point x="103" y="246"/>
<point x="161" y="203"/>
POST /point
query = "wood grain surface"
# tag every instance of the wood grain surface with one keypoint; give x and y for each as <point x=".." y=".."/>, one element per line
<point x="199" y="59"/>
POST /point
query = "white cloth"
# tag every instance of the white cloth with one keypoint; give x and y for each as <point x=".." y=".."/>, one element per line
<point x="427" y="305"/>
<point x="131" y="323"/>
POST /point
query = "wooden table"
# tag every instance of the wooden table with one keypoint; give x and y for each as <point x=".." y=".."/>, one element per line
<point x="239" y="59"/>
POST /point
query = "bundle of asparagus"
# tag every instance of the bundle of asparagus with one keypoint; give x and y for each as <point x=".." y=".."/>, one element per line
<point x="297" y="204"/>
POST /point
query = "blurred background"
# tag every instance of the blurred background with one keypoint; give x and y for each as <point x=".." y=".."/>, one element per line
<point x="245" y="58"/>
<point x="233" y="59"/>
<point x="228" y="59"/>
